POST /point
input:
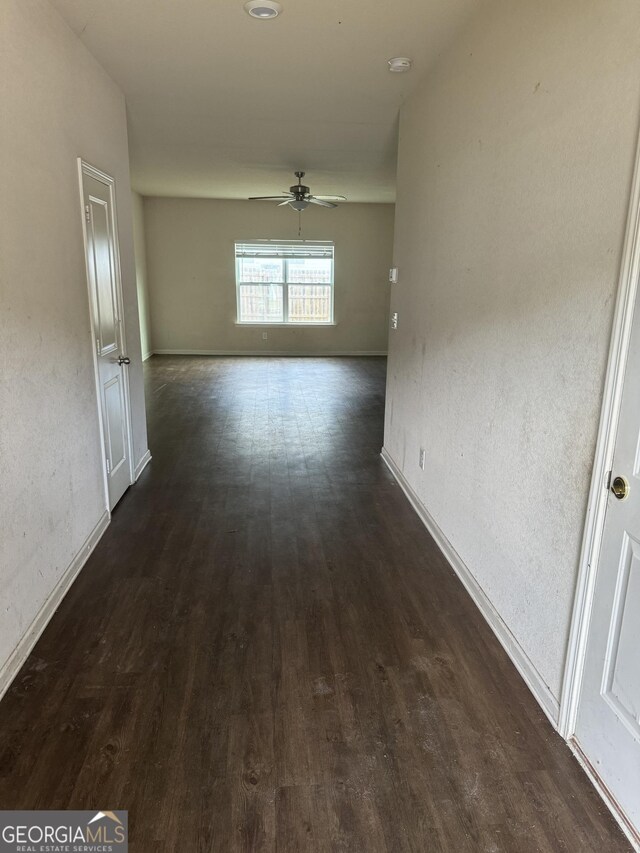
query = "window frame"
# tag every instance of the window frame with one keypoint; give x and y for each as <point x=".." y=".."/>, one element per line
<point x="285" y="284"/>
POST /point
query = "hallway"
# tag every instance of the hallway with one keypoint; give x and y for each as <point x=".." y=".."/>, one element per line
<point x="267" y="652"/>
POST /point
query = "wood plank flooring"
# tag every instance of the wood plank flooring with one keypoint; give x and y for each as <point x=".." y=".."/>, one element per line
<point x="267" y="652"/>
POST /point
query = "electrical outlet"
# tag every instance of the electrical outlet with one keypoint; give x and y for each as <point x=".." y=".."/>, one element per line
<point x="264" y="336"/>
<point x="393" y="275"/>
<point x="394" y="320"/>
<point x="423" y="458"/>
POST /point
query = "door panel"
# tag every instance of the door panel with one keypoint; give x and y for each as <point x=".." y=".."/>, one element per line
<point x="621" y="685"/>
<point x="105" y="282"/>
<point x="107" y="324"/>
<point x="115" y="417"/>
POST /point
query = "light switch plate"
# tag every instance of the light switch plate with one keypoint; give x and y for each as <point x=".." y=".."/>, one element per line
<point x="393" y="275"/>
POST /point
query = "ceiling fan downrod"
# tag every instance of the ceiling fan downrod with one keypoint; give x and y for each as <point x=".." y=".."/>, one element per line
<point x="299" y="189"/>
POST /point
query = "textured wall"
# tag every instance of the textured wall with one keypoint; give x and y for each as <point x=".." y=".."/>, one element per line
<point x="141" y="273"/>
<point x="57" y="104"/>
<point x="515" y="166"/>
<point x="191" y="265"/>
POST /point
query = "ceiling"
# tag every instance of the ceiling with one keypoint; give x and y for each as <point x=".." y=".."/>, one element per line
<point x="223" y="105"/>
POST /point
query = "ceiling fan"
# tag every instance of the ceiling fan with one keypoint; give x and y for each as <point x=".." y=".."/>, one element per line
<point x="299" y="197"/>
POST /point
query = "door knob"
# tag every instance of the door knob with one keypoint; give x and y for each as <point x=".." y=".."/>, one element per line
<point x="122" y="359"/>
<point x="620" y="487"/>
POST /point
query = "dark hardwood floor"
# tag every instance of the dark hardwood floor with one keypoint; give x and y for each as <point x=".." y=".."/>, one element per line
<point x="267" y="652"/>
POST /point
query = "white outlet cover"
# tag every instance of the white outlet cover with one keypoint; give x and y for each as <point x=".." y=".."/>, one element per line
<point x="394" y="320"/>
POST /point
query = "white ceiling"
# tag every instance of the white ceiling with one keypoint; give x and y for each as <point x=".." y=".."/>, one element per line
<point x="222" y="105"/>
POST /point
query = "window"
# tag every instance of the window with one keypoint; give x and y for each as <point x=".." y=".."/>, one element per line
<point x="290" y="283"/>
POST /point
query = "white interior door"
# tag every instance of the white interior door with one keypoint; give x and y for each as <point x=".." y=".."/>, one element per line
<point x="105" y="296"/>
<point x="608" y="721"/>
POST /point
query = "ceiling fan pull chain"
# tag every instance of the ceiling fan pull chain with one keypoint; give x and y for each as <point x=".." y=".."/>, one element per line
<point x="299" y="223"/>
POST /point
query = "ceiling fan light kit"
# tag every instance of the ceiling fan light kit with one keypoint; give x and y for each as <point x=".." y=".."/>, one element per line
<point x="264" y="10"/>
<point x="399" y="64"/>
<point x="299" y="197"/>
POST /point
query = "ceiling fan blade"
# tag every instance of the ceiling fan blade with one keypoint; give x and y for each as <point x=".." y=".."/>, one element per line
<point x="331" y="197"/>
<point x="269" y="197"/>
<point x="285" y="202"/>
<point x="313" y="200"/>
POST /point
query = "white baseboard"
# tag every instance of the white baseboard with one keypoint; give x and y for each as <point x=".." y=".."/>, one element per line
<point x="18" y="656"/>
<point x="147" y="355"/>
<point x="521" y="661"/>
<point x="625" y="824"/>
<point x="279" y="353"/>
<point x="142" y="464"/>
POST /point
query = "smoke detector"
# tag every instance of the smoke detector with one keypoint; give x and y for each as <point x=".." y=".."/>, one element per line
<point x="400" y="64"/>
<point x="263" y="9"/>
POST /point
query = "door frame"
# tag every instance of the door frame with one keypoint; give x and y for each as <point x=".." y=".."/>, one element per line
<point x="85" y="168"/>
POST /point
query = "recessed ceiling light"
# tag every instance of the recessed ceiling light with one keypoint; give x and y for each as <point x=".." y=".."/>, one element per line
<point x="399" y="64"/>
<point x="263" y="9"/>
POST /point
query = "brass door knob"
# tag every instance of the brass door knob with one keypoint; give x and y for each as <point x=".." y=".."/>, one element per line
<point x="620" y="487"/>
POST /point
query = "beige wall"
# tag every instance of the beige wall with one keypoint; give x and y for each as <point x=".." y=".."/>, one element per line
<point x="191" y="267"/>
<point x="515" y="166"/>
<point x="57" y="104"/>
<point x="140" y="250"/>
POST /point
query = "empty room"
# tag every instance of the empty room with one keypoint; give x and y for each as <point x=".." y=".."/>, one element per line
<point x="319" y="426"/>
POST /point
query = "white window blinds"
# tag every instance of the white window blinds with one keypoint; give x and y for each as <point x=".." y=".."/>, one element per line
<point x="279" y="249"/>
